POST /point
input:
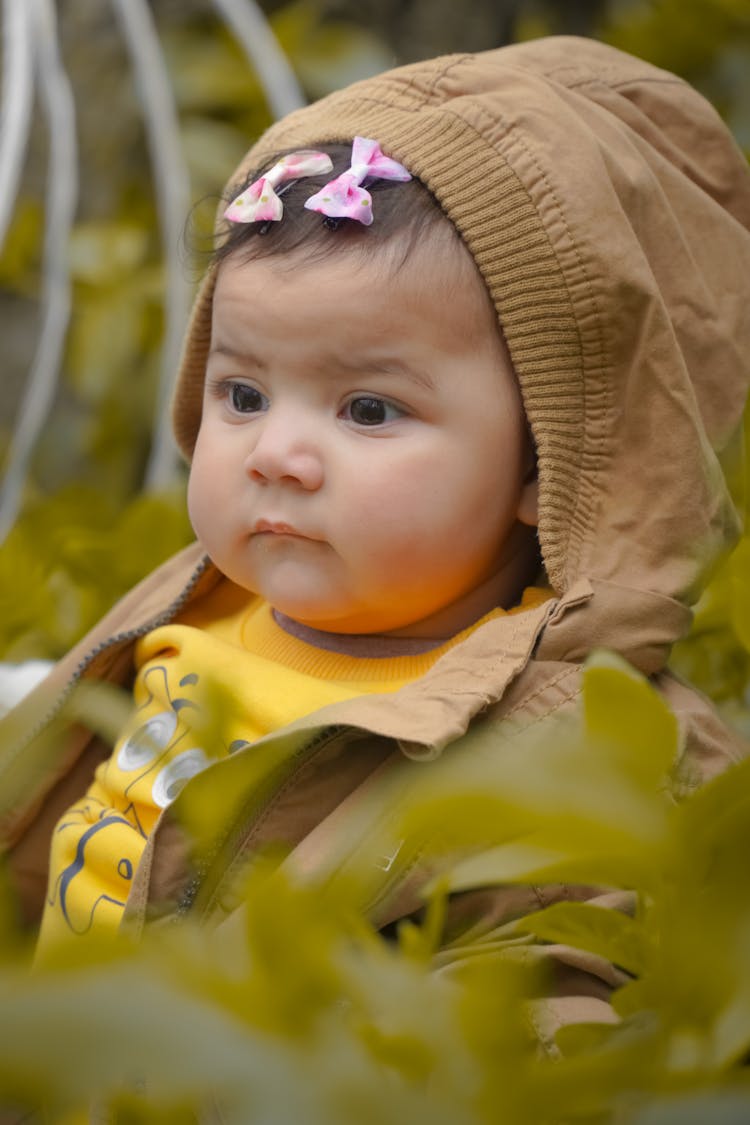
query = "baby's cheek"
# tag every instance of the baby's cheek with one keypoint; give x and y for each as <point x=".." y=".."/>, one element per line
<point x="204" y="504"/>
<point x="194" y="501"/>
<point x="385" y="524"/>
<point x="390" y="545"/>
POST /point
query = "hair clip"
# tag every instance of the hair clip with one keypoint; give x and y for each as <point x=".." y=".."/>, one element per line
<point x="344" y="198"/>
<point x="259" y="202"/>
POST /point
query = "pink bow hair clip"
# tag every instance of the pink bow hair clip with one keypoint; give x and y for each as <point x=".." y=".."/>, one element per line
<point x="344" y="198"/>
<point x="259" y="202"/>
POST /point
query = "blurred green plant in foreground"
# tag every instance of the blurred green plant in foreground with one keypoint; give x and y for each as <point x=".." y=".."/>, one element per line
<point x="294" y="1010"/>
<point x="69" y="558"/>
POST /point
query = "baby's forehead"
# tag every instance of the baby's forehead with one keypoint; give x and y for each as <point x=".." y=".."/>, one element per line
<point x="432" y="279"/>
<point x="433" y="259"/>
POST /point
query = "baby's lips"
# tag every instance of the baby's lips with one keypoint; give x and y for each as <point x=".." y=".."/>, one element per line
<point x="278" y="527"/>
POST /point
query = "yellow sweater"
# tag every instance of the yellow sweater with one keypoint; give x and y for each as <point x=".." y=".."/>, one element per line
<point x="207" y="686"/>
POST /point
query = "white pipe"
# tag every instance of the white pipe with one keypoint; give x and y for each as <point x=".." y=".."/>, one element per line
<point x="173" y="199"/>
<point x="62" y="194"/>
<point x="264" y="53"/>
<point x="15" y="108"/>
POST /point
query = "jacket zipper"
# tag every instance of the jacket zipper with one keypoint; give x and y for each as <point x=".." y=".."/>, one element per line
<point x="230" y="846"/>
<point x="162" y="618"/>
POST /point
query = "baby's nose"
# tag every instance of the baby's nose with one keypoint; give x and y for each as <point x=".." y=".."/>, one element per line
<point x="285" y="450"/>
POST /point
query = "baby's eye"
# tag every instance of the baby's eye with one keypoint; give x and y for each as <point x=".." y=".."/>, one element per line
<point x="246" y="400"/>
<point x="369" y="411"/>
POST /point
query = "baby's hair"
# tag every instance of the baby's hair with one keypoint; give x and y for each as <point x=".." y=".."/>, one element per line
<point x="404" y="214"/>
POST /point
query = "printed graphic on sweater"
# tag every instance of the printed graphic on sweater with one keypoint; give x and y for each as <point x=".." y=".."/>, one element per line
<point x="98" y="843"/>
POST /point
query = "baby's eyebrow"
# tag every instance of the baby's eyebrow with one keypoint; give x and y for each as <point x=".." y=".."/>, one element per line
<point x="243" y="356"/>
<point x="387" y="365"/>
<point x="334" y="365"/>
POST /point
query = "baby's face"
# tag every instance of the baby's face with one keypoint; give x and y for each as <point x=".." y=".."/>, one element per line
<point x="362" y="454"/>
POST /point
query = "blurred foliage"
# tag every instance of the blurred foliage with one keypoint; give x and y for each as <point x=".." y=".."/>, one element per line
<point x="295" y="1010"/>
<point x="71" y="556"/>
<point x="716" y="654"/>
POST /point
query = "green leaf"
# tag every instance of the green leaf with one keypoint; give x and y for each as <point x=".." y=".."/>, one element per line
<point x="103" y="708"/>
<point x="595" y="929"/>
<point x="582" y="861"/>
<point x="701" y="1107"/>
<point x="629" y="718"/>
<point x="583" y="1038"/>
<point x="181" y="1045"/>
<point x="731" y="1031"/>
<point x="717" y="816"/>
<point x="740" y="591"/>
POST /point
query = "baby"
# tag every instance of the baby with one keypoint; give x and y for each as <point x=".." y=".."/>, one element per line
<point x="453" y="394"/>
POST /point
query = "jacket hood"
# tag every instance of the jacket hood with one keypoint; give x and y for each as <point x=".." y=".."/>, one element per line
<point x="607" y="208"/>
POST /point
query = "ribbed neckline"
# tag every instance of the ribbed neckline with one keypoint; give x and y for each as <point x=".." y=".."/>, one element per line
<point x="264" y="637"/>
<point x="358" y="644"/>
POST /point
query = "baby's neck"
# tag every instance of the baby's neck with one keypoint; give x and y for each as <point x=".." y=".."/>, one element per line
<point x="358" y="644"/>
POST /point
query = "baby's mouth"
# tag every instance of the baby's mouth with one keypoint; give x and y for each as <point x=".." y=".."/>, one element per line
<point x="277" y="527"/>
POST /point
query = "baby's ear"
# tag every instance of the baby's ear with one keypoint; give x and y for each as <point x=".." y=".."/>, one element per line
<point x="528" y="500"/>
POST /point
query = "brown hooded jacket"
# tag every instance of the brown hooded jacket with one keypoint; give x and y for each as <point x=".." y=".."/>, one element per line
<point x="608" y="211"/>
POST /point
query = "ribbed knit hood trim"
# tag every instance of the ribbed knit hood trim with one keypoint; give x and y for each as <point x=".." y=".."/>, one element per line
<point x="607" y="209"/>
